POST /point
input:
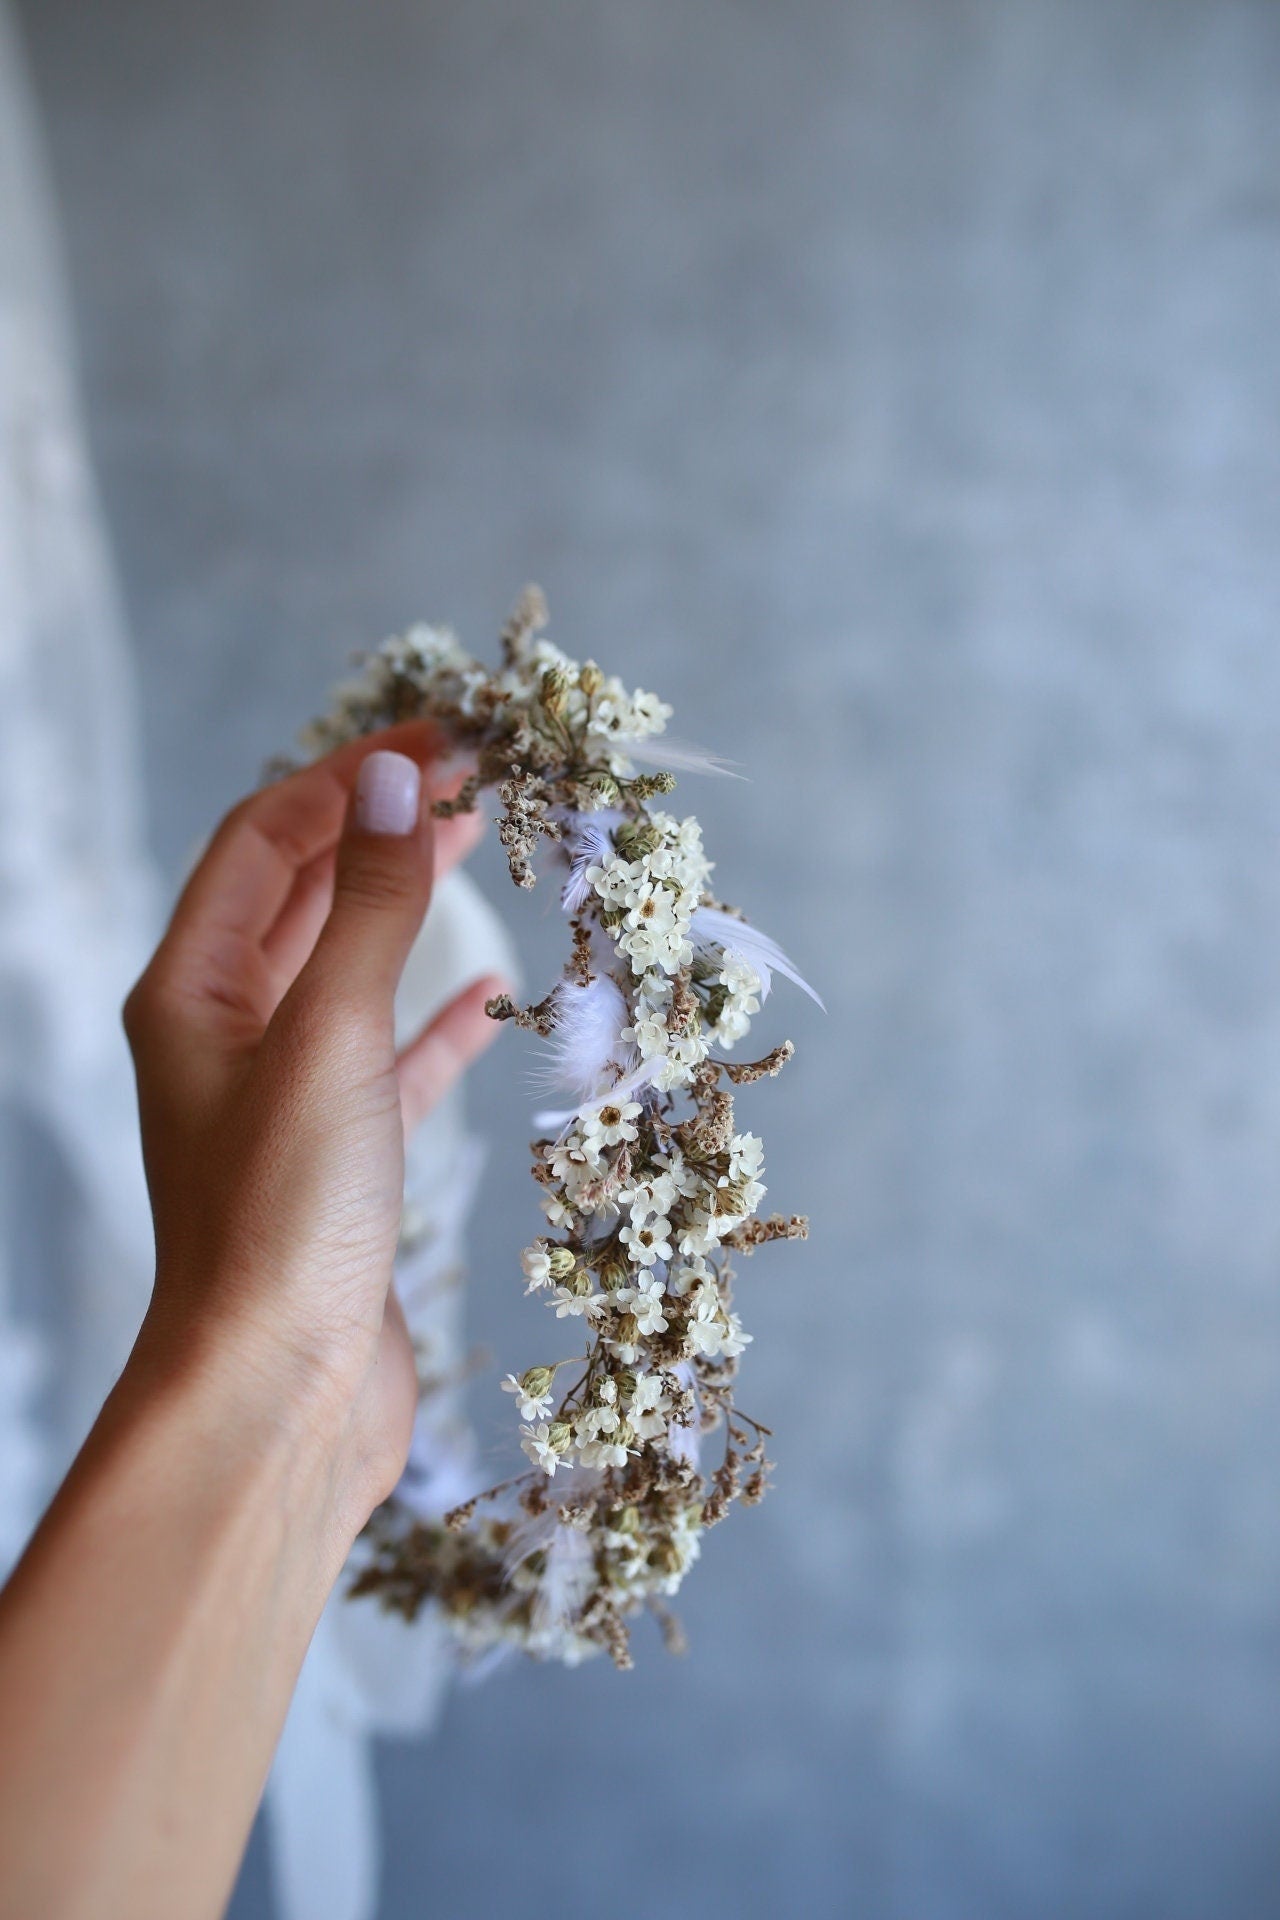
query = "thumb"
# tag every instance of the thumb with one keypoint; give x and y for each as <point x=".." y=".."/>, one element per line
<point x="382" y="881"/>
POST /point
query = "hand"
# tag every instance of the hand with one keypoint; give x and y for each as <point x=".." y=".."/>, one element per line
<point x="274" y="1106"/>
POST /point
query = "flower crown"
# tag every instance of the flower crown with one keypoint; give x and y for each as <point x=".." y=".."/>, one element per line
<point x="647" y="1185"/>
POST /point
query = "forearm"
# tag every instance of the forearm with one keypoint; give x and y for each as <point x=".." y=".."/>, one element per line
<point x="150" y="1641"/>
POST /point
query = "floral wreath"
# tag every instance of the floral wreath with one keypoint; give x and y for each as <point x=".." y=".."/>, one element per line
<point x="647" y="1185"/>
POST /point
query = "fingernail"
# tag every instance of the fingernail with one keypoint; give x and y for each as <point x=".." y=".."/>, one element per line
<point x="387" y="790"/>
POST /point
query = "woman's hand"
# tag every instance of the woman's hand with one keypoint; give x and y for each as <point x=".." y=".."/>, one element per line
<point x="274" y="1106"/>
<point x="152" y="1633"/>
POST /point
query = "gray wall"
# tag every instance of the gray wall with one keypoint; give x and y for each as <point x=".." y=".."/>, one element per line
<point x="895" y="387"/>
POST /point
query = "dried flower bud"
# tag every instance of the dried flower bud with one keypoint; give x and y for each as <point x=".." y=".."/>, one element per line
<point x="537" y="1381"/>
<point x="554" y="692"/>
<point x="559" y="1436"/>
<point x="635" y="838"/>
<point x="664" y="1557"/>
<point x="613" y="1272"/>
<point x="590" y="678"/>
<point x="563" y="1260"/>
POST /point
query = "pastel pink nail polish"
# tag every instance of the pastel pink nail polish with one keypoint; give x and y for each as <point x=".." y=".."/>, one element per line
<point x="387" y="789"/>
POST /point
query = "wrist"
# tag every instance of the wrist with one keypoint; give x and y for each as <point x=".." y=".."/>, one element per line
<point x="258" y="1418"/>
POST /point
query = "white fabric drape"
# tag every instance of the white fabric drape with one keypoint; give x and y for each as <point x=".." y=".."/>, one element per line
<point x="79" y="912"/>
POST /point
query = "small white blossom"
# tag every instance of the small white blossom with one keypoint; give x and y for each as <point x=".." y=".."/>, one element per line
<point x="648" y="1243"/>
<point x="610" y="1124"/>
<point x="569" y="1304"/>
<point x="649" y="1317"/>
<point x="546" y="1445"/>
<point x="536" y="1262"/>
<point x="533" y="1405"/>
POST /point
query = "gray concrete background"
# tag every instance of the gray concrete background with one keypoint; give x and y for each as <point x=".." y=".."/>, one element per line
<point x="896" y="388"/>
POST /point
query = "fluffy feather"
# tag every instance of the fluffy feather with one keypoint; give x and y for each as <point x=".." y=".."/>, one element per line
<point x="585" y="1053"/>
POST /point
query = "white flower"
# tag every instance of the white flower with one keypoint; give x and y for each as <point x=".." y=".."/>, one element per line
<point x="656" y="1194"/>
<point x="650" y="714"/>
<point x="545" y="1447"/>
<point x="594" y="1421"/>
<point x="567" y="1303"/>
<point x="648" y="1034"/>
<point x="649" y="1317"/>
<point x="746" y="1156"/>
<point x="701" y="1233"/>
<point x="532" y="1405"/>
<point x="688" y="1274"/>
<point x="666" y="948"/>
<point x="536" y="1261"/>
<point x="608" y="1125"/>
<point x="648" y="1410"/>
<point x="707" y="1326"/>
<point x="648" y="1243"/>
<point x="557" y="1212"/>
<point x="734" y="1339"/>
<point x="568" y="1157"/>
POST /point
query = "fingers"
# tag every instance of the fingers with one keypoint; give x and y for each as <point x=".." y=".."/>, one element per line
<point x="249" y="869"/>
<point x="381" y="887"/>
<point x="289" y="943"/>
<point x="432" y="1063"/>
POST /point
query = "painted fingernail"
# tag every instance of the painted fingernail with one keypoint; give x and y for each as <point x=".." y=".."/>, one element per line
<point x="387" y="789"/>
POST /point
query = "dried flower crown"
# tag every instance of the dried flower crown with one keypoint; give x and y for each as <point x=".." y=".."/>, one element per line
<point x="647" y="1185"/>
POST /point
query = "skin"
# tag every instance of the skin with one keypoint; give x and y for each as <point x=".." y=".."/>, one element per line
<point x="151" y="1636"/>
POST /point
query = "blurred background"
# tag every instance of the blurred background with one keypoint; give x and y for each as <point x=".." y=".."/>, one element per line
<point x="894" y="387"/>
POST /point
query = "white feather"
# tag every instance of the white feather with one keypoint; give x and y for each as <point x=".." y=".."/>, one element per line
<point x="589" y="843"/>
<point x="566" y="1580"/>
<point x="567" y="1575"/>
<point x="678" y="756"/>
<point x="711" y="928"/>
<point x="585" y="1052"/>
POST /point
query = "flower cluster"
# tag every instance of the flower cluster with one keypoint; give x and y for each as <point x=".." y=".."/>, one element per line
<point x="648" y="1186"/>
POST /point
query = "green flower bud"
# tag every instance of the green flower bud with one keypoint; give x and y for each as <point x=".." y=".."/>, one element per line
<point x="537" y="1381"/>
<point x="635" y="838"/>
<point x="603" y="788"/>
<point x="563" y="1260"/>
<point x="559" y="1436"/>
